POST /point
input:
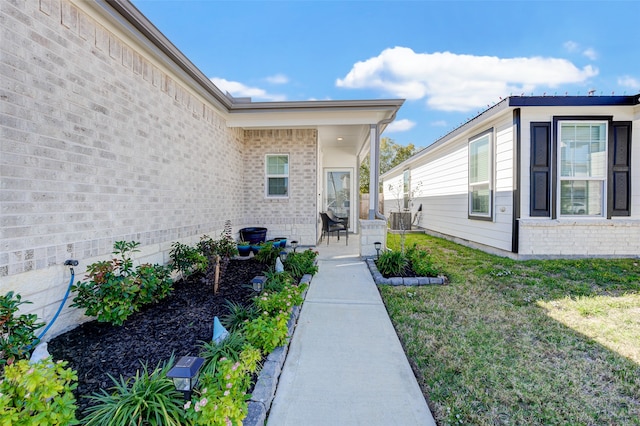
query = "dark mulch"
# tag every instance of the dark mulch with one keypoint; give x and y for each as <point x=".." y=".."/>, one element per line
<point x="176" y="325"/>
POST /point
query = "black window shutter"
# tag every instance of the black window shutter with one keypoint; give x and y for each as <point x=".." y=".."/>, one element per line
<point x="540" y="203"/>
<point x="619" y="182"/>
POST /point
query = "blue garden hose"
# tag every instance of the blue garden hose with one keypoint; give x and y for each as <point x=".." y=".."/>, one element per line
<point x="71" y="264"/>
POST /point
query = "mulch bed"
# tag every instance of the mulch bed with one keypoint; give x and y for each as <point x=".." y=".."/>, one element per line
<point x="176" y="325"/>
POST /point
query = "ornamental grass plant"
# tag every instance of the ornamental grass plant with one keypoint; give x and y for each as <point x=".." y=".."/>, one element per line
<point x="522" y="342"/>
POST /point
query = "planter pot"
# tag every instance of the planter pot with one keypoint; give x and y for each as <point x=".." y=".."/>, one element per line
<point x="282" y="241"/>
<point x="255" y="248"/>
<point x="253" y="235"/>
<point x="244" y="250"/>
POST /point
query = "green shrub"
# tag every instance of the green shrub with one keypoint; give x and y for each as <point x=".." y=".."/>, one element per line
<point x="146" y="399"/>
<point x="113" y="289"/>
<point x="221" y="399"/>
<point x="38" y="394"/>
<point x="392" y="263"/>
<point x="154" y="281"/>
<point x="225" y="247"/>
<point x="267" y="332"/>
<point x="301" y="263"/>
<point x="187" y="260"/>
<point x="268" y="253"/>
<point x="231" y="348"/>
<point x="421" y="262"/>
<point x="277" y="281"/>
<point x="238" y="315"/>
<point x="16" y="331"/>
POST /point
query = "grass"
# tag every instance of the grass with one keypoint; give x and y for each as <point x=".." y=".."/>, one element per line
<point x="523" y="342"/>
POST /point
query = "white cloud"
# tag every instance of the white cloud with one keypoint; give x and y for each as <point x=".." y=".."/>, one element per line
<point x="454" y="82"/>
<point x="590" y="53"/>
<point x="278" y="79"/>
<point x="240" y="90"/>
<point x="630" y="82"/>
<point x="400" y="126"/>
<point x="439" y="123"/>
<point x="571" y="46"/>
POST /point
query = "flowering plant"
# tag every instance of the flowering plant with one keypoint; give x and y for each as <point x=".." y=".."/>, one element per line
<point x="38" y="394"/>
<point x="222" y="398"/>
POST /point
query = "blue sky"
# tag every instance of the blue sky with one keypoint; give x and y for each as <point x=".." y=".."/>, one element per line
<point x="450" y="60"/>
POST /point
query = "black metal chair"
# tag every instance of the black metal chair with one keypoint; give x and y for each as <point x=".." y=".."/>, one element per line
<point x="329" y="226"/>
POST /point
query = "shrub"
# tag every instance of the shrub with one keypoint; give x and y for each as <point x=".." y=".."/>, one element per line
<point x="222" y="398"/>
<point x="154" y="281"/>
<point x="301" y="263"/>
<point x="38" y="394"/>
<point x="268" y="253"/>
<point x="187" y="260"/>
<point x="277" y="281"/>
<point x="231" y="348"/>
<point x="113" y="289"/>
<point x="146" y="399"/>
<point x="238" y="314"/>
<point x="16" y="331"/>
<point x="421" y="262"/>
<point x="267" y="332"/>
<point x="392" y="263"/>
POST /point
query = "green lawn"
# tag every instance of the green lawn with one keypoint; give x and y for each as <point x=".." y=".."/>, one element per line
<point x="553" y="342"/>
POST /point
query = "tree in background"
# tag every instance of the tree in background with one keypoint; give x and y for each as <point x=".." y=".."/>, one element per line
<point x="391" y="154"/>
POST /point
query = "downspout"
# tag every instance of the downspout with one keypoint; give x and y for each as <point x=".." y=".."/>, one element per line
<point x="374" y="170"/>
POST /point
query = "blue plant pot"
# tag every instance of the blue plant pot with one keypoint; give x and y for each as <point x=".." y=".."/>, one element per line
<point x="244" y="250"/>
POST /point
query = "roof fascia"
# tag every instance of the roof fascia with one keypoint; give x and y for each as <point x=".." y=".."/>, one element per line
<point x="485" y="115"/>
<point x="522" y="101"/>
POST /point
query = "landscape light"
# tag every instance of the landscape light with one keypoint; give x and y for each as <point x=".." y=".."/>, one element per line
<point x="378" y="246"/>
<point x="185" y="374"/>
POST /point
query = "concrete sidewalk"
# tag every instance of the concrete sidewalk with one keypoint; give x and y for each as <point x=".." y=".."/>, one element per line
<point x="345" y="364"/>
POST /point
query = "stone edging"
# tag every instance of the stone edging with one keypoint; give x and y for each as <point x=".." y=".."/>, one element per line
<point x="409" y="281"/>
<point x="265" y="388"/>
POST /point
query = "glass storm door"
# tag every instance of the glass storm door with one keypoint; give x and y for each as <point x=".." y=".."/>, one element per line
<point x="337" y="193"/>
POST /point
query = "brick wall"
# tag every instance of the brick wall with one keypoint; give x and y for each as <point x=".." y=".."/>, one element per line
<point x="590" y="238"/>
<point x="293" y="217"/>
<point x="101" y="142"/>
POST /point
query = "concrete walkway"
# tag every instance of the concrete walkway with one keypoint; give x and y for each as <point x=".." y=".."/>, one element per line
<point x="345" y="364"/>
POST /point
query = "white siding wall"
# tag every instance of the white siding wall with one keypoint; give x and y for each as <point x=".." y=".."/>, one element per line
<point x="442" y="178"/>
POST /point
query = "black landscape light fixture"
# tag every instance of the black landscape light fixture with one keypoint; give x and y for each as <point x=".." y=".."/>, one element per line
<point x="294" y="245"/>
<point x="378" y="246"/>
<point x="185" y="374"/>
<point x="283" y="256"/>
<point x="257" y="283"/>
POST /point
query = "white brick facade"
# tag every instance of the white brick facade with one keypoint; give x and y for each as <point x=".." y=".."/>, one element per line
<point x="101" y="142"/>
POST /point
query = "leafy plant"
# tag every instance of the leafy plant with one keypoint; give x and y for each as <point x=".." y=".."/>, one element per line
<point x="301" y="263"/>
<point x="146" y="399"/>
<point x="238" y="315"/>
<point x="392" y="263"/>
<point x="231" y="348"/>
<point x="187" y="260"/>
<point x="280" y="302"/>
<point x="277" y="281"/>
<point x="421" y="262"/>
<point x="222" y="398"/>
<point x="113" y="289"/>
<point x="154" y="281"/>
<point x="268" y="253"/>
<point x="38" y="394"/>
<point x="267" y="332"/>
<point x="16" y="331"/>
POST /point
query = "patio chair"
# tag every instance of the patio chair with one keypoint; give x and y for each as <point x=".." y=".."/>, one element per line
<point x="333" y="217"/>
<point x="329" y="226"/>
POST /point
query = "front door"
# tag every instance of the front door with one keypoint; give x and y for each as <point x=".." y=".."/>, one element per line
<point x="337" y="193"/>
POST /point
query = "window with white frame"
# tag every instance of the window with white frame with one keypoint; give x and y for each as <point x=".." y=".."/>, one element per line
<point x="277" y="175"/>
<point x="481" y="176"/>
<point x="582" y="168"/>
<point x="406" y="189"/>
